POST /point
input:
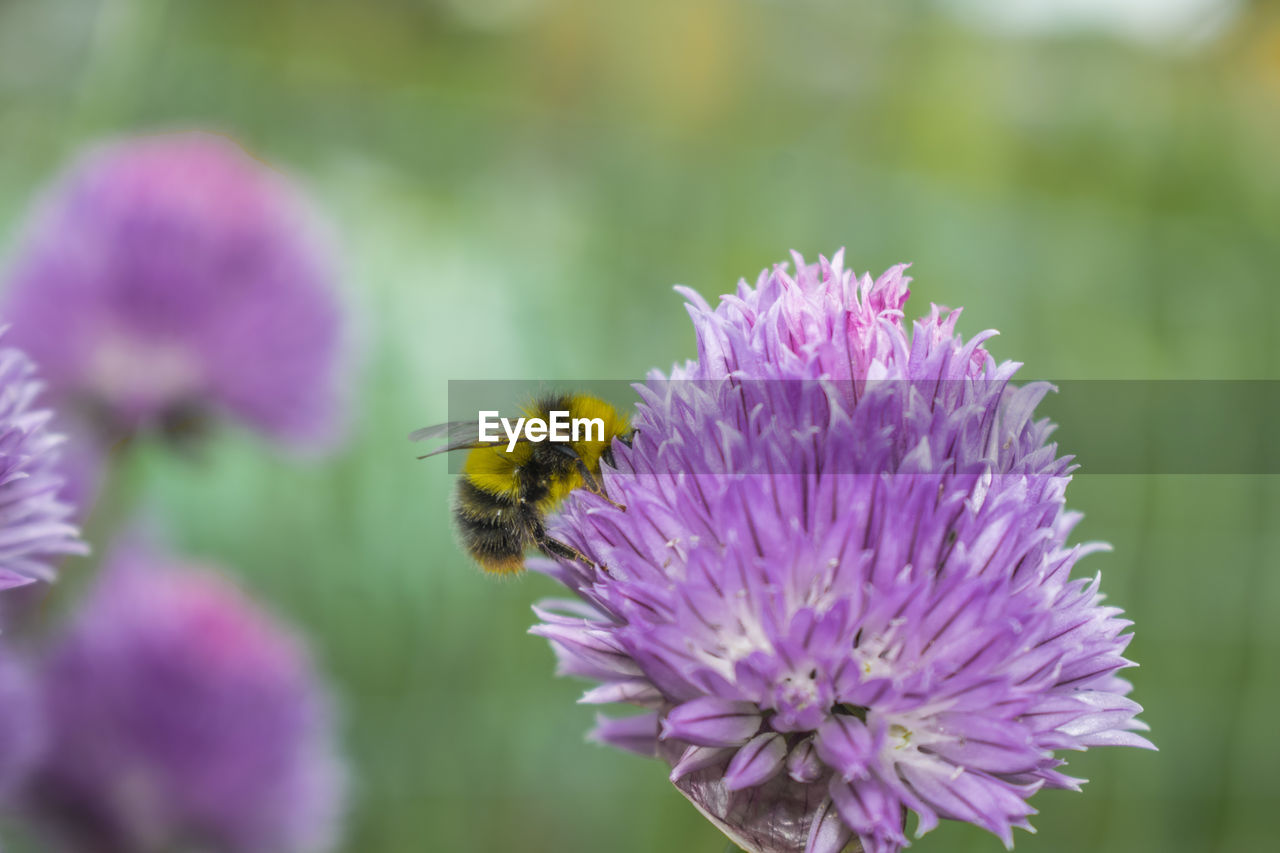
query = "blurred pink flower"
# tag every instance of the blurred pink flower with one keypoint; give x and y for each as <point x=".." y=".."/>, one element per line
<point x="166" y="278"/>
<point x="180" y="713"/>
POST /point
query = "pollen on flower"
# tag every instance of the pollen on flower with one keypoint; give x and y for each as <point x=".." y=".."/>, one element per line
<point x="873" y="654"/>
<point x="799" y="689"/>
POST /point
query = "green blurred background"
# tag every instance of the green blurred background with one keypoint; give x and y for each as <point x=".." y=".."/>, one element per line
<point x="516" y="184"/>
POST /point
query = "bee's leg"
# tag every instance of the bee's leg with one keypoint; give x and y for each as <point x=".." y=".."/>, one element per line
<point x="556" y="548"/>
<point x="594" y="487"/>
<point x="587" y="477"/>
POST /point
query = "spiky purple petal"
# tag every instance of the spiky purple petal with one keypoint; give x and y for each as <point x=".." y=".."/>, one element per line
<point x="637" y="733"/>
<point x="758" y="761"/>
<point x="34" y="528"/>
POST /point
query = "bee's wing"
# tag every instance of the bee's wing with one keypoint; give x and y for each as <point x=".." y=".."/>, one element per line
<point x="457" y="435"/>
<point x="450" y="429"/>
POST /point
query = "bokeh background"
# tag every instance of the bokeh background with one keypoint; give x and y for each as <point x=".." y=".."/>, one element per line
<point x="515" y="185"/>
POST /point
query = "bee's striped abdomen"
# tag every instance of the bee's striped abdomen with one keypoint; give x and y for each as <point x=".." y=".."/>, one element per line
<point x="495" y="529"/>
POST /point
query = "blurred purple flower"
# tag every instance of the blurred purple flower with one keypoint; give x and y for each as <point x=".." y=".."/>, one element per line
<point x="22" y="732"/>
<point x="884" y="621"/>
<point x="180" y="714"/>
<point x="34" y="531"/>
<point x="168" y="277"/>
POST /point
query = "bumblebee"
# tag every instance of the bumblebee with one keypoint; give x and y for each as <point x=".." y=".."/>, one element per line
<point x="507" y="489"/>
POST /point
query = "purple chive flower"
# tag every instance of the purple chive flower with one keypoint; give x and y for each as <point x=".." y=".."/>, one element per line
<point x="169" y="277"/>
<point x="180" y="715"/>
<point x="840" y="586"/>
<point x="34" y="532"/>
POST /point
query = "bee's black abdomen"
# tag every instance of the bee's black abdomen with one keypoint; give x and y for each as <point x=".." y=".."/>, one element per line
<point x="495" y="530"/>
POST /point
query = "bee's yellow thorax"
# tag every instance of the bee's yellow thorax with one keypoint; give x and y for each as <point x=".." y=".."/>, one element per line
<point x="494" y="470"/>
